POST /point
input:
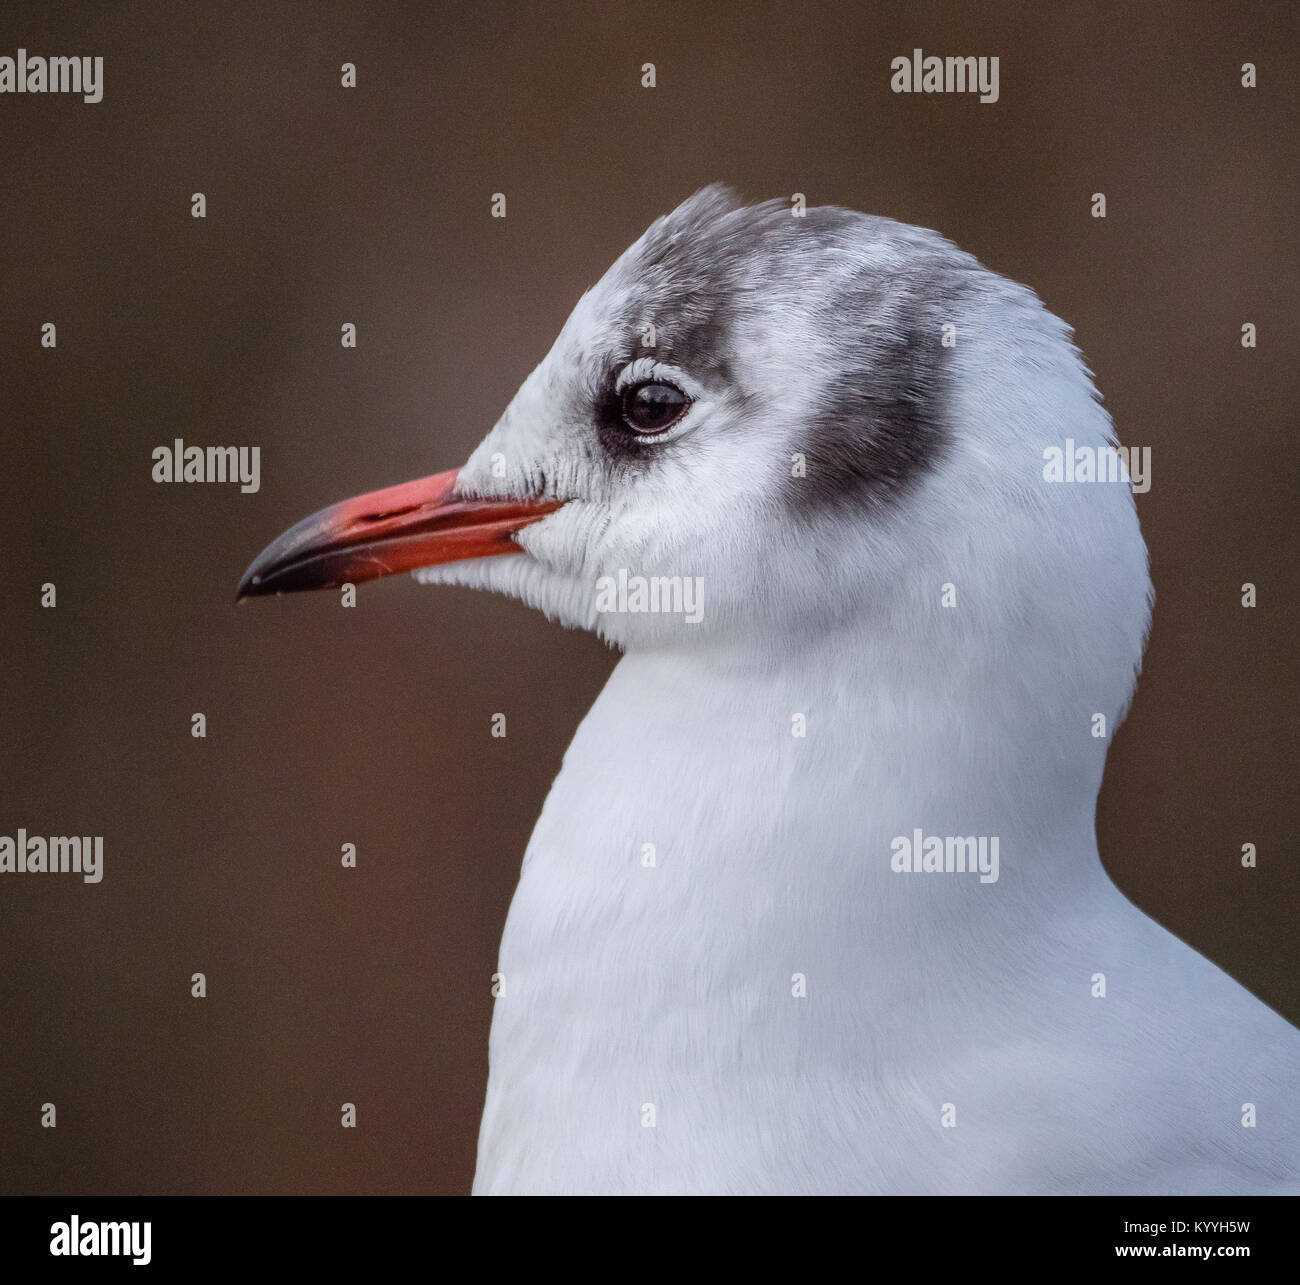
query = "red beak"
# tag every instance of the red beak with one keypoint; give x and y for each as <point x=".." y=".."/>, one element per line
<point x="417" y="524"/>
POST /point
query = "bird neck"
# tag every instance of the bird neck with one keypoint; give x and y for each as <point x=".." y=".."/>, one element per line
<point x="949" y="780"/>
<point x="725" y="830"/>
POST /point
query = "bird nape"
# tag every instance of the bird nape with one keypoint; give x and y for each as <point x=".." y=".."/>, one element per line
<point x="841" y="926"/>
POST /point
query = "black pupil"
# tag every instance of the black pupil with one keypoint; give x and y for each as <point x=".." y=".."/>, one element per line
<point x="651" y="408"/>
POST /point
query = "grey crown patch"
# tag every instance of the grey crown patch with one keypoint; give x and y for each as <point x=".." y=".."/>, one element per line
<point x="880" y="418"/>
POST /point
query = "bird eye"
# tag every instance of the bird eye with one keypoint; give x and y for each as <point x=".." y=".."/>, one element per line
<point x="651" y="408"/>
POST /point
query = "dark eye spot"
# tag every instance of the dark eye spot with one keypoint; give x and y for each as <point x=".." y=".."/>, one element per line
<point x="653" y="407"/>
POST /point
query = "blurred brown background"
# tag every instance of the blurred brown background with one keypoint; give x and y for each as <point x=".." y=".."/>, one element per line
<point x="371" y="726"/>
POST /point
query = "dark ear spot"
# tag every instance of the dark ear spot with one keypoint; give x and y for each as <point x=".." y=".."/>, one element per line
<point x="881" y="418"/>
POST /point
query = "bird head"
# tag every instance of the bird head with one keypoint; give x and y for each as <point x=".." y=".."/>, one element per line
<point x="799" y="420"/>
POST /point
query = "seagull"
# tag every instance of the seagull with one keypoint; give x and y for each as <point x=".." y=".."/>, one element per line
<point x="815" y="905"/>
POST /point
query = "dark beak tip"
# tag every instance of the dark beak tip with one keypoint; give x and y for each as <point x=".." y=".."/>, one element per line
<point x="250" y="586"/>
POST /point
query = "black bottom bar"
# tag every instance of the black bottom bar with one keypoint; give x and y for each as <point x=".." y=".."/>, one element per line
<point x="362" y="1233"/>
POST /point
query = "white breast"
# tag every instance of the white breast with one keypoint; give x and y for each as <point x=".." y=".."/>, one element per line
<point x="649" y="1038"/>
